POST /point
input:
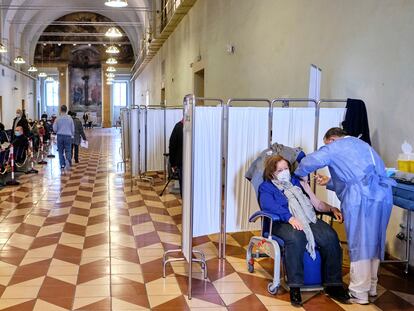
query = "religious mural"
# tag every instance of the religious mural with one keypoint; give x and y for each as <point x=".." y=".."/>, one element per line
<point x="85" y="76"/>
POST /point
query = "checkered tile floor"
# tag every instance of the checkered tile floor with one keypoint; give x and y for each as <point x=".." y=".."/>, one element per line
<point x="80" y="239"/>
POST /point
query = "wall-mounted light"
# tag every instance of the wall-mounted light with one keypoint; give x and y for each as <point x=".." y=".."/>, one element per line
<point x="32" y="69"/>
<point x="42" y="75"/>
<point x="109" y="82"/>
<point x="110" y="75"/>
<point x="3" y="48"/>
<point x="50" y="79"/>
<point x="112" y="50"/>
<point x="113" y="32"/>
<point x="111" y="69"/>
<point x="111" y="61"/>
<point x="19" y="60"/>
<point x="116" y="3"/>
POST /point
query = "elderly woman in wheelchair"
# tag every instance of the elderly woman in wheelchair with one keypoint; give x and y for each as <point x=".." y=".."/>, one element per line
<point x="301" y="231"/>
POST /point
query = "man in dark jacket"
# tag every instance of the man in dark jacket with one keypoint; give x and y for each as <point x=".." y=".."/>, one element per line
<point x="20" y="120"/>
<point x="79" y="133"/>
<point x="176" y="151"/>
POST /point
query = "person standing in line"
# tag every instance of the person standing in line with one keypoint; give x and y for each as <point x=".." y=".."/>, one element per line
<point x="65" y="131"/>
<point x="79" y="134"/>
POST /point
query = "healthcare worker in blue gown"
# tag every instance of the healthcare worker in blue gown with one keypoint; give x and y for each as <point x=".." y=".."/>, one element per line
<point x="358" y="179"/>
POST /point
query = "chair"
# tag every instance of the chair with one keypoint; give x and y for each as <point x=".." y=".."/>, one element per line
<point x="273" y="246"/>
<point x="172" y="175"/>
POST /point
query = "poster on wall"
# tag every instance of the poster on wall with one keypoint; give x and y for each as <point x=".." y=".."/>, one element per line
<point x="85" y="76"/>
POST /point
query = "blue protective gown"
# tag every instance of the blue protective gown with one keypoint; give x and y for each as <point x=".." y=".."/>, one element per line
<point x="359" y="180"/>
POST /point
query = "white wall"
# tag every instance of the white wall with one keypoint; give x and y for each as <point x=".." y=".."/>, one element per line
<point x="363" y="47"/>
<point x="12" y="98"/>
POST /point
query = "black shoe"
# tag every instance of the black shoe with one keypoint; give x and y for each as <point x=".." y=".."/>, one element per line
<point x="295" y="297"/>
<point x="338" y="293"/>
<point x="76" y="161"/>
<point x="70" y="163"/>
<point x="62" y="167"/>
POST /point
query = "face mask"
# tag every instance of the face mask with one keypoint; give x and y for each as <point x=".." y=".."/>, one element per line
<point x="18" y="115"/>
<point x="283" y="176"/>
<point x="17" y="133"/>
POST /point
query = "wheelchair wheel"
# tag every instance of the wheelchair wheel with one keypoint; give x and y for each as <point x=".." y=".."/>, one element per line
<point x="272" y="289"/>
<point x="250" y="267"/>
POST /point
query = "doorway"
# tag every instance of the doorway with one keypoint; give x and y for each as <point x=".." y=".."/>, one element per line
<point x="199" y="83"/>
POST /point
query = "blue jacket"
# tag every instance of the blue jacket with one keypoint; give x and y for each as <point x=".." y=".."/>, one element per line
<point x="273" y="201"/>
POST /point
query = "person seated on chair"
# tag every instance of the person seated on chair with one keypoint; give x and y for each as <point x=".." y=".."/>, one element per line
<point x="176" y="151"/>
<point x="20" y="145"/>
<point x="300" y="229"/>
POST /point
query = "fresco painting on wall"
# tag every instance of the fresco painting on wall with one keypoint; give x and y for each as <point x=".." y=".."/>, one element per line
<point x="85" y="76"/>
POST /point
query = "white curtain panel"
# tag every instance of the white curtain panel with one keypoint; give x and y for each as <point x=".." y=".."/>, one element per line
<point x="155" y="140"/>
<point x="186" y="184"/>
<point x="294" y="127"/>
<point x="134" y="141"/>
<point x="206" y="170"/>
<point x="142" y="140"/>
<point x="247" y="137"/>
<point x="328" y="118"/>
<point x="125" y="125"/>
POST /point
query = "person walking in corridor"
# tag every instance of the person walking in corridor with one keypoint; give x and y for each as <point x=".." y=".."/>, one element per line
<point x="65" y="131"/>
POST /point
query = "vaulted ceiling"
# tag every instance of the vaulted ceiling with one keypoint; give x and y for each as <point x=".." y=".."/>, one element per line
<point x="24" y="21"/>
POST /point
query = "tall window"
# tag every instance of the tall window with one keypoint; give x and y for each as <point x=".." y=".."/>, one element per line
<point x="52" y="93"/>
<point x="119" y="94"/>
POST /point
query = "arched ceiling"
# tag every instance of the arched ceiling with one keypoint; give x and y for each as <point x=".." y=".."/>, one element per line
<point x="25" y="20"/>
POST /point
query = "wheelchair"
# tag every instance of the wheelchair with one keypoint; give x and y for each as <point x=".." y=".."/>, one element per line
<point x="268" y="245"/>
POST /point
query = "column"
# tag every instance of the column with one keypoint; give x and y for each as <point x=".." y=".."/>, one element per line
<point x="106" y="99"/>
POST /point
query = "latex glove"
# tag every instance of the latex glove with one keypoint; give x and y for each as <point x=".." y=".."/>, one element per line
<point x="322" y="180"/>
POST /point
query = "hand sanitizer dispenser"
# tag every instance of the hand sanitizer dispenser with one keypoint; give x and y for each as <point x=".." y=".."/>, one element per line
<point x="406" y="159"/>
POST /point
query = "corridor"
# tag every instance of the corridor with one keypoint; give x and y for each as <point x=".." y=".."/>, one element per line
<point x="81" y="240"/>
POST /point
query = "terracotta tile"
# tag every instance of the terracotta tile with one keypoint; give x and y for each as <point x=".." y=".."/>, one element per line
<point x="147" y="239"/>
<point x="57" y="292"/>
<point x="176" y="304"/>
<point x="101" y="305"/>
<point x="27" y="229"/>
<point x="69" y="254"/>
<point x="252" y="301"/>
<point x="79" y="211"/>
<point x="95" y="240"/>
<point x="25" y="306"/>
<point x="218" y="269"/>
<point x="97" y="219"/>
<point x="30" y="271"/>
<point x="391" y="302"/>
<point x="164" y="227"/>
<point x="74" y="229"/>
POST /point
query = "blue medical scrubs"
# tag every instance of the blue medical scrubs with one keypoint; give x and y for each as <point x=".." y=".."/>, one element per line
<point x="358" y="178"/>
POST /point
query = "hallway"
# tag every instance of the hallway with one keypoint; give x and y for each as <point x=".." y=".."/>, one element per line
<point x="81" y="240"/>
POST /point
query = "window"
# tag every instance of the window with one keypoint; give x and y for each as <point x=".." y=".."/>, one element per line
<point x="52" y="93"/>
<point x="119" y="94"/>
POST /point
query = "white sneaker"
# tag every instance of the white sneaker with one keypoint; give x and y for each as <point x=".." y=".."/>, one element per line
<point x="358" y="300"/>
<point x="372" y="293"/>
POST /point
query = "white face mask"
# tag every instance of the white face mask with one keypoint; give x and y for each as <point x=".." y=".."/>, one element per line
<point x="283" y="176"/>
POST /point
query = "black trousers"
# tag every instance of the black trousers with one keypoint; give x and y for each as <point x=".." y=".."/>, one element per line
<point x="75" y="152"/>
<point x="295" y="245"/>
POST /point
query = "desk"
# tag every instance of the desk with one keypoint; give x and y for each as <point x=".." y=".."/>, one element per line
<point x="403" y="195"/>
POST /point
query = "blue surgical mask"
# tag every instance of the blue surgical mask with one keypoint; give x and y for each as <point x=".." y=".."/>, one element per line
<point x="17" y="133"/>
<point x="284" y="176"/>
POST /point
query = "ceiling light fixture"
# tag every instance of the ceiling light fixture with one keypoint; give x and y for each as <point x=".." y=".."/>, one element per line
<point x="50" y="79"/>
<point x="116" y="3"/>
<point x="111" y="69"/>
<point x="32" y="69"/>
<point x="113" y="32"/>
<point x="42" y="75"/>
<point x="110" y="75"/>
<point x="19" y="60"/>
<point x="3" y="48"/>
<point x="112" y="50"/>
<point x="111" y="61"/>
<point x="109" y="82"/>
